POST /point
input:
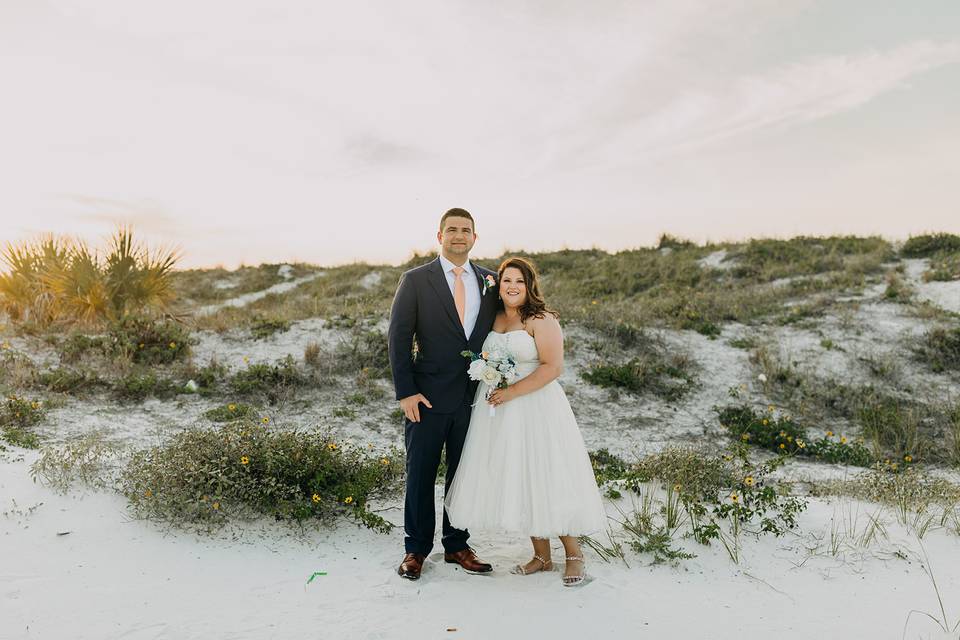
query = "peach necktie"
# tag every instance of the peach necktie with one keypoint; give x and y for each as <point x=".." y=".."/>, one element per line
<point x="459" y="292"/>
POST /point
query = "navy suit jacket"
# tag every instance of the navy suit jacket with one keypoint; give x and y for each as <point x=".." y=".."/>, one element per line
<point x="423" y="310"/>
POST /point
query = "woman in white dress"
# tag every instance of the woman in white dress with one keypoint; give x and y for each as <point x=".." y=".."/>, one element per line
<point x="525" y="468"/>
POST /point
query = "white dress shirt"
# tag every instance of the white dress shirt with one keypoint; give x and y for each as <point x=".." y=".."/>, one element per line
<point x="471" y="288"/>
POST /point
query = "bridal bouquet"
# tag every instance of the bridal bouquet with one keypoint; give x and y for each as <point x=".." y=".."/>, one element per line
<point x="494" y="369"/>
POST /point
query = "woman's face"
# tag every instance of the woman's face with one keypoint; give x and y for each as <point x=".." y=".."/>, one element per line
<point x="513" y="289"/>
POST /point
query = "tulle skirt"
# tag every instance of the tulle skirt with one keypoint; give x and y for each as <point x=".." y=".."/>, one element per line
<point x="526" y="470"/>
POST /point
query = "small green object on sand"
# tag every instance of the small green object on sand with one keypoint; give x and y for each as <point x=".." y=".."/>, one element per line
<point x="315" y="574"/>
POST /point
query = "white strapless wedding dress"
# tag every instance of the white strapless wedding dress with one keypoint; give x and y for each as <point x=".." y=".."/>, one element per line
<point x="525" y="469"/>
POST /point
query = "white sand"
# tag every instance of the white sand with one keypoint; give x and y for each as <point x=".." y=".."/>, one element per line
<point x="112" y="577"/>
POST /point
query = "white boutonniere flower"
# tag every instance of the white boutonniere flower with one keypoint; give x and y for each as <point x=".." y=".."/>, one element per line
<point x="489" y="282"/>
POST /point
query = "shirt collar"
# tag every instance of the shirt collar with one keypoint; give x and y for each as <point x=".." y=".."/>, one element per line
<point x="448" y="266"/>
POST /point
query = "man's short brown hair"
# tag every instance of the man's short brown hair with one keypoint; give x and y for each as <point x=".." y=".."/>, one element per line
<point x="457" y="212"/>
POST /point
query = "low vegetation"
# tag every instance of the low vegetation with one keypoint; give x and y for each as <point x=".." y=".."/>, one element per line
<point x="244" y="469"/>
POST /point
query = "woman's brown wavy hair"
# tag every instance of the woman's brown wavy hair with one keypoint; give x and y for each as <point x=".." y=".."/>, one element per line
<point x="534" y="306"/>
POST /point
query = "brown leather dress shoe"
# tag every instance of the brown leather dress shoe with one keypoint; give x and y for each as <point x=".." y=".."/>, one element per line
<point x="411" y="566"/>
<point x="468" y="560"/>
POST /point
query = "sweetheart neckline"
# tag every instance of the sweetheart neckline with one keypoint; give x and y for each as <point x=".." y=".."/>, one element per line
<point x="503" y="333"/>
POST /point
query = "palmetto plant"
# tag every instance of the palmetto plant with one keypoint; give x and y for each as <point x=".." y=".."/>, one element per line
<point x="58" y="280"/>
<point x="24" y="292"/>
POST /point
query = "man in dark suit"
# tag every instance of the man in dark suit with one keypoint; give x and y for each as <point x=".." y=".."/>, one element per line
<point x="445" y="307"/>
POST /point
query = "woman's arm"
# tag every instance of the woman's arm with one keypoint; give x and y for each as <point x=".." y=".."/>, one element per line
<point x="549" y="338"/>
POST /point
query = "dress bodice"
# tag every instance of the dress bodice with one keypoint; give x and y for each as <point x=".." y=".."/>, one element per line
<point x="519" y="345"/>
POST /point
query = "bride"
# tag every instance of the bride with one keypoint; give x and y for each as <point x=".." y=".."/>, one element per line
<point x="525" y="468"/>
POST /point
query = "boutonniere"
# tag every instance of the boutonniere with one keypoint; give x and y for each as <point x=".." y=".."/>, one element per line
<point x="489" y="282"/>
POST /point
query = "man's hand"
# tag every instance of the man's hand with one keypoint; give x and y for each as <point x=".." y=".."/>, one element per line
<point x="411" y="406"/>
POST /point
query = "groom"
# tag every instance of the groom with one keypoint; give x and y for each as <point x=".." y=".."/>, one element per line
<point x="443" y="307"/>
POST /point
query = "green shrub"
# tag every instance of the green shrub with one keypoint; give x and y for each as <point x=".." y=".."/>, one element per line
<point x="940" y="349"/>
<point x="232" y="411"/>
<point x="926" y="245"/>
<point x="242" y="469"/>
<point x="643" y="374"/>
<point x="785" y="436"/>
<point x="699" y="475"/>
<point x="272" y="382"/>
<point x="943" y="267"/>
<point x="17" y="418"/>
<point x="150" y="342"/>
<point x="73" y="381"/>
<point x="365" y="351"/>
<point x="139" y="386"/>
<point x="78" y="345"/>
<point x="717" y="491"/>
<point x="263" y="327"/>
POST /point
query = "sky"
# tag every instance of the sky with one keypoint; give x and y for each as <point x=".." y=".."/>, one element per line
<point x="247" y="131"/>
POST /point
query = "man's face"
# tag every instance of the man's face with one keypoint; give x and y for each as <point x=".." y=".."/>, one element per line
<point x="457" y="236"/>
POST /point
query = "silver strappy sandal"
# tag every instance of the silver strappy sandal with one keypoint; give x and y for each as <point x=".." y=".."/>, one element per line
<point x="573" y="581"/>
<point x="545" y="565"/>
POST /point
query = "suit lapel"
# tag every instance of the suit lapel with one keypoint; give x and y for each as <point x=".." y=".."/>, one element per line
<point x="438" y="280"/>
<point x="485" y="305"/>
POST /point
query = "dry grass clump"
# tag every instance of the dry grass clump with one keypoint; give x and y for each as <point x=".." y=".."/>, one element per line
<point x="54" y="280"/>
<point x="939" y="349"/>
<point x="912" y="490"/>
<point x="88" y="460"/>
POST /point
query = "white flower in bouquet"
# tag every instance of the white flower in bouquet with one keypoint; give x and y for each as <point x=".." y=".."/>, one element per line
<point x="476" y="367"/>
<point x="490" y="376"/>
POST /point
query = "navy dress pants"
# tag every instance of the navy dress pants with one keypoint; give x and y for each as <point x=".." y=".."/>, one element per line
<point x="425" y="440"/>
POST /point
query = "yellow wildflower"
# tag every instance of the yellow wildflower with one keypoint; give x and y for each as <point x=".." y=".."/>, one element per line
<point x="348" y="500"/>
<point x="676" y="488"/>
<point x="216" y="505"/>
<point x="783" y="434"/>
<point x="148" y="493"/>
<point x="843" y="440"/>
<point x="332" y="446"/>
<point x="770" y="408"/>
<point x="765" y="422"/>
<point x="141" y="345"/>
<point x="745" y="437"/>
<point x="265" y="420"/>
<point x="749" y="481"/>
<point x="246" y="359"/>
<point x="783" y="446"/>
<point x="244" y="460"/>
<point x="734" y="498"/>
<point x="908" y="458"/>
<point x="315" y="498"/>
<point x="894" y="466"/>
<point x="800" y="443"/>
<point x="593" y="302"/>
<point x="232" y="407"/>
<point x="173" y="345"/>
<point x="384" y="461"/>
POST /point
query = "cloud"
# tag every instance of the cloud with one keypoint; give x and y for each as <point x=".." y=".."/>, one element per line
<point x="793" y="94"/>
<point x="144" y="217"/>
